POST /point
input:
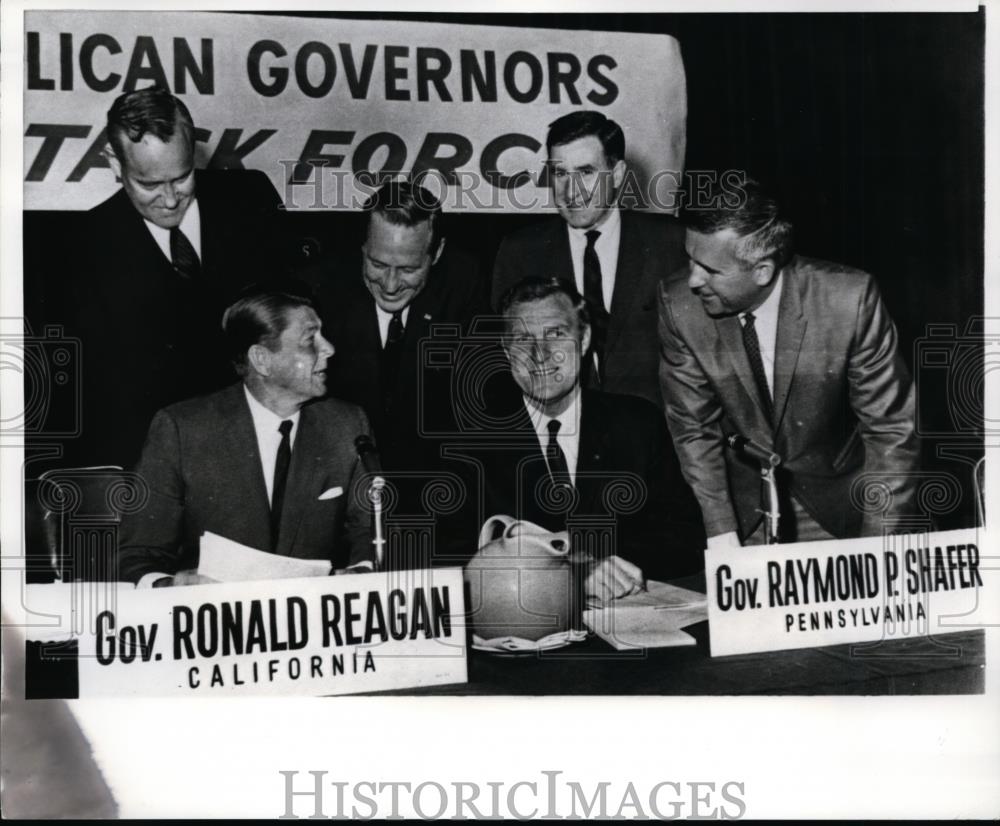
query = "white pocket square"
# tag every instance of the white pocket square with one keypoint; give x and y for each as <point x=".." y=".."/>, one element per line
<point x="331" y="493"/>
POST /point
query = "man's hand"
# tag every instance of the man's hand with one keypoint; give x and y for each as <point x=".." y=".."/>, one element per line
<point x="724" y="540"/>
<point x="190" y="578"/>
<point x="614" y="577"/>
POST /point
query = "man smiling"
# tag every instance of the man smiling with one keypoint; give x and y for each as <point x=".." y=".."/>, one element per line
<point x="798" y="355"/>
<point x="381" y="307"/>
<point x="568" y="458"/>
<point x="615" y="257"/>
<point x="264" y="462"/>
<point x="160" y="261"/>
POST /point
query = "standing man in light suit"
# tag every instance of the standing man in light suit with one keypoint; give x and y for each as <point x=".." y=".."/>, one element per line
<point x="798" y="355"/>
<point x="266" y="462"/>
<point x="614" y="257"/>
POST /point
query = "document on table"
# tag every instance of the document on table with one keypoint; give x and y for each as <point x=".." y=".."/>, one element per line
<point x="650" y="619"/>
<point x="227" y="561"/>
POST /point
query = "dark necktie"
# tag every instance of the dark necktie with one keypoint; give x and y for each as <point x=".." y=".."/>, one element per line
<point x="390" y="357"/>
<point x="182" y="254"/>
<point x="593" y="292"/>
<point x="281" y="463"/>
<point x="558" y="469"/>
<point x="752" y="345"/>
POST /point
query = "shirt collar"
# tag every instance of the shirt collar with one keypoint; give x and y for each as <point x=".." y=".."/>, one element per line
<point x="768" y="311"/>
<point x="569" y="419"/>
<point x="609" y="227"/>
<point x="267" y="421"/>
<point x="190" y="225"/>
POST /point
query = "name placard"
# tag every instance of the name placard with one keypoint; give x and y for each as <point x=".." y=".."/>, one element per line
<point x="314" y="636"/>
<point x="810" y="594"/>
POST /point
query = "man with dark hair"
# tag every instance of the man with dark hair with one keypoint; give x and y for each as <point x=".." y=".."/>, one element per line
<point x="797" y="355"/>
<point x="264" y="462"/>
<point x="596" y="464"/>
<point x="161" y="259"/>
<point x="614" y="257"/>
<point x="379" y="310"/>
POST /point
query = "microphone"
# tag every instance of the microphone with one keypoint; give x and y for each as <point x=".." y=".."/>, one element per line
<point x="753" y="450"/>
<point x="367" y="454"/>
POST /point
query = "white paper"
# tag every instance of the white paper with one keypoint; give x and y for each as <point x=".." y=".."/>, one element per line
<point x="650" y="619"/>
<point x="224" y="560"/>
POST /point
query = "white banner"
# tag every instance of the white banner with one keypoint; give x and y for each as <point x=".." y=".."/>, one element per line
<point x="809" y="594"/>
<point x="314" y="636"/>
<point x="467" y="105"/>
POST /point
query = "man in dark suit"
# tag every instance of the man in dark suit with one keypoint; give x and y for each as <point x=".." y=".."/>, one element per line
<point x="615" y="257"/>
<point x="161" y="259"/>
<point x="799" y="356"/>
<point x="596" y="464"/>
<point x="264" y="462"/>
<point x="381" y="309"/>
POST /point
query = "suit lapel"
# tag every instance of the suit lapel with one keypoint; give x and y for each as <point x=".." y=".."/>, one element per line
<point x="730" y="333"/>
<point x="301" y="486"/>
<point x="591" y="456"/>
<point x="791" y="330"/>
<point x="628" y="278"/>
<point x="241" y="444"/>
<point x="561" y="254"/>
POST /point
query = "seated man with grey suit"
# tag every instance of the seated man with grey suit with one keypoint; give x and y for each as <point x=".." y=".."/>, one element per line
<point x="266" y="462"/>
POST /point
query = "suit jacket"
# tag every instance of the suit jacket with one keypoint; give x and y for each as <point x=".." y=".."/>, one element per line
<point x="627" y="477"/>
<point x="421" y="411"/>
<point x="150" y="337"/>
<point x="203" y="469"/>
<point x="651" y="247"/>
<point x="843" y="401"/>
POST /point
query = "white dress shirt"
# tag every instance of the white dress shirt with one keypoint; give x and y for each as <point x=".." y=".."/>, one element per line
<point x="384" y="319"/>
<point x="265" y="424"/>
<point x="568" y="437"/>
<point x="190" y="226"/>
<point x="766" y="324"/>
<point x="606" y="248"/>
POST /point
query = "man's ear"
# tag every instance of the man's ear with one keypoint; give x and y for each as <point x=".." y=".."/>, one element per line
<point x="618" y="174"/>
<point x="259" y="359"/>
<point x="764" y="272"/>
<point x="112" y="159"/>
<point x="437" y="254"/>
<point x="585" y="341"/>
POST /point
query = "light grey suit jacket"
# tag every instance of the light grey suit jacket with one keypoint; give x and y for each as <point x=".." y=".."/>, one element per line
<point x="843" y="402"/>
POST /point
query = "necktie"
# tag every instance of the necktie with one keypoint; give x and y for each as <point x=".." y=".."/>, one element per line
<point x="182" y="254"/>
<point x="593" y="292"/>
<point x="281" y="463"/>
<point x="752" y="345"/>
<point x="558" y="469"/>
<point x="390" y="357"/>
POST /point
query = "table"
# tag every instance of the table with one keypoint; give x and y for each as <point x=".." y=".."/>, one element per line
<point x="949" y="664"/>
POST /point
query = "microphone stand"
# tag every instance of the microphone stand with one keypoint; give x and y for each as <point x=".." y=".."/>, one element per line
<point x="772" y="514"/>
<point x="768" y="461"/>
<point x="375" y="494"/>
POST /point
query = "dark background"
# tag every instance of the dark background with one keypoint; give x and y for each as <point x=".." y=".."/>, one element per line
<point x="870" y="126"/>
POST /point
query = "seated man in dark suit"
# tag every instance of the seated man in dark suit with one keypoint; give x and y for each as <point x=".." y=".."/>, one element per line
<point x="596" y="464"/>
<point x="161" y="259"/>
<point x="264" y="462"/>
<point x="615" y="257"/>
<point x="380" y="310"/>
